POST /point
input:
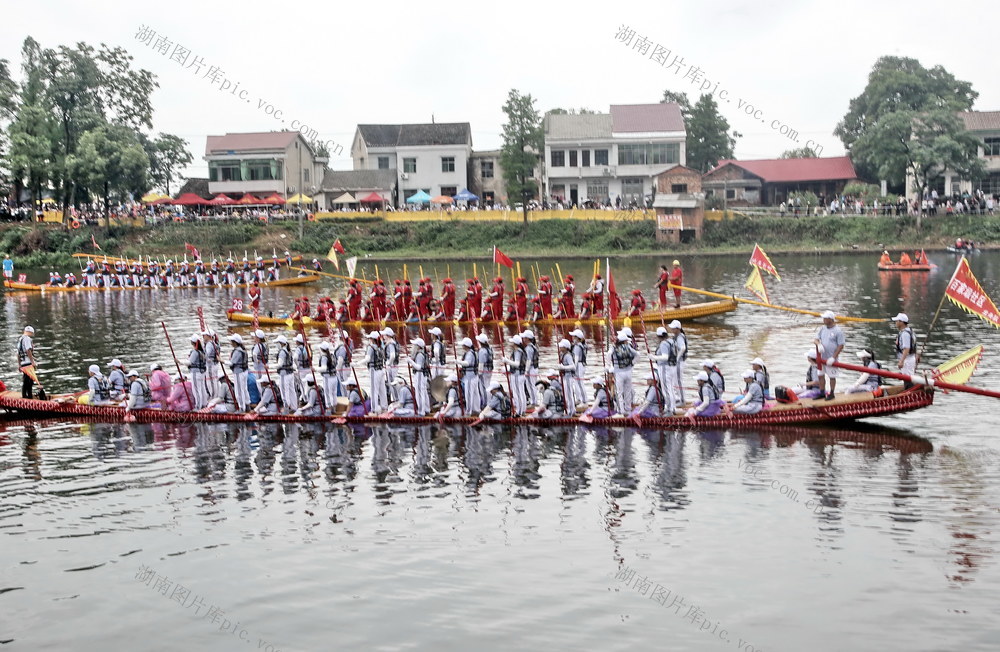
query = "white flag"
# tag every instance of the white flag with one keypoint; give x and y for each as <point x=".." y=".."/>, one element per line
<point x="352" y="263"/>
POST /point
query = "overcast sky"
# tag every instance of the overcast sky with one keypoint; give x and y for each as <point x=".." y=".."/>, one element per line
<point x="333" y="65"/>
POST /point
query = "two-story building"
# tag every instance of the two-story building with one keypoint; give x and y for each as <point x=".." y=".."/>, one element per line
<point x="263" y="163"/>
<point x="612" y="158"/>
<point x="430" y="157"/>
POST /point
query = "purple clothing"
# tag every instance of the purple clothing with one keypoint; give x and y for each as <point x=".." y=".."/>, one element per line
<point x="159" y="386"/>
<point x="357" y="410"/>
<point x="178" y="400"/>
<point x="599" y="413"/>
<point x="813" y="392"/>
<point x="712" y="410"/>
<point x="648" y="413"/>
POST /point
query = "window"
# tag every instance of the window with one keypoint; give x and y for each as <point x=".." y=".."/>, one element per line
<point x="410" y="165"/>
<point x="600" y="157"/>
<point x="991" y="146"/>
<point x="224" y="171"/>
<point x="559" y="191"/>
<point x="597" y="191"/>
<point x="648" y="154"/>
<point x="572" y="158"/>
<point x="730" y="193"/>
<point x="305" y="175"/>
<point x="678" y="188"/>
<point x="449" y="191"/>
<point x="632" y="189"/>
<point x="558" y="158"/>
<point x="486" y="169"/>
<point x="383" y="162"/>
<point x="447" y="163"/>
<point x="586" y="158"/>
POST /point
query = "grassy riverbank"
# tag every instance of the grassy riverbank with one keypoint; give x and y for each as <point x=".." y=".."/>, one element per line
<point x="49" y="246"/>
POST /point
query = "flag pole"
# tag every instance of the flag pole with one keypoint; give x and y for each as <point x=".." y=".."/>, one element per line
<point x="944" y="295"/>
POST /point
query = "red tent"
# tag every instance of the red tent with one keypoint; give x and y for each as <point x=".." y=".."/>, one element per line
<point x="160" y="202"/>
<point x="275" y="198"/>
<point x="188" y="199"/>
<point x="372" y="198"/>
<point x="249" y="200"/>
<point x="221" y="200"/>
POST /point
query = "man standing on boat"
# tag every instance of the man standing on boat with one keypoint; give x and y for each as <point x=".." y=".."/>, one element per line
<point x="484" y="357"/>
<point x="211" y="362"/>
<point x="239" y="364"/>
<point x="258" y="354"/>
<point x="596" y="290"/>
<point x="666" y="364"/>
<point x="830" y="340"/>
<point x="196" y="367"/>
<point x="906" y="347"/>
<point x="681" y="345"/>
<point x="531" y="365"/>
<point x="391" y="359"/>
<point x="676" y="281"/>
<point x="286" y="374"/>
<point x="375" y="361"/>
<point x="662" y="281"/>
<point x="545" y="295"/>
<point x="26" y="361"/>
<point x="468" y="367"/>
<point x="420" y="364"/>
<point x="517" y="364"/>
<point x="579" y="350"/>
<point x="623" y="357"/>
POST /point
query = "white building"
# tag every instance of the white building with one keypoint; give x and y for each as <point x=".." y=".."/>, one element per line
<point x="430" y="157"/>
<point x="985" y="126"/>
<point x="604" y="157"/>
<point x="263" y="163"/>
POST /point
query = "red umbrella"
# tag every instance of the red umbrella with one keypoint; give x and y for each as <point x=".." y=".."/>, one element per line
<point x="248" y="200"/>
<point x="372" y="198"/>
<point x="188" y="199"/>
<point x="160" y="202"/>
<point x="221" y="200"/>
<point x="273" y="199"/>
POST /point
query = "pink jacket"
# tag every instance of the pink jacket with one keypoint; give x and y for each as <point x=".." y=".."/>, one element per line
<point x="159" y="386"/>
<point x="178" y="400"/>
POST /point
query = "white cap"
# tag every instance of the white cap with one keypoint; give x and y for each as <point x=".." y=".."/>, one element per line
<point x="299" y="338"/>
<point x="467" y="342"/>
<point x="324" y="346"/>
<point x="264" y="380"/>
<point x="495" y="385"/>
<point x="702" y="376"/>
<point x="622" y="336"/>
<point x="195" y="337"/>
<point x="94" y="369"/>
<point x="374" y="335"/>
<point x="707" y="363"/>
<point x="577" y="333"/>
<point x="29" y="329"/>
<point x="757" y="361"/>
<point x="132" y="372"/>
<point x="661" y="331"/>
<point x="516" y="339"/>
<point x="748" y="373"/>
<point x="398" y="380"/>
<point x="388" y="332"/>
<point x="811" y="354"/>
<point x="236" y="337"/>
<point x="206" y="333"/>
<point x="155" y="366"/>
<point x="116" y="363"/>
<point x="528" y="333"/>
<point x="435" y="331"/>
<point x="452" y="378"/>
<point x="649" y="377"/>
<point x="563" y="344"/>
<point x="482" y="337"/>
<point x="829" y="314"/>
<point x="674" y="324"/>
<point x="418" y="341"/>
<point x="552" y="373"/>
<point x="627" y="331"/>
<point x="258" y="334"/>
<point x="351" y="381"/>
<point x="901" y="317"/>
<point x="863" y="353"/>
<point x="598" y="381"/>
<point x="281" y="339"/>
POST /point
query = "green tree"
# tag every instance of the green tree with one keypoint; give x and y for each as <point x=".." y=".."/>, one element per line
<point x="923" y="145"/>
<point x="111" y="158"/>
<point x="897" y="84"/>
<point x="680" y="99"/>
<point x="708" y="137"/>
<point x="30" y="152"/>
<point x="522" y="142"/>
<point x="799" y="152"/>
<point x="168" y="156"/>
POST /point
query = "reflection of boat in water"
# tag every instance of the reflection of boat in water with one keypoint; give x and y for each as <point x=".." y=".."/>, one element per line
<point x="844" y="408"/>
<point x="896" y="267"/>
<point x="33" y="287"/>
<point x="859" y="435"/>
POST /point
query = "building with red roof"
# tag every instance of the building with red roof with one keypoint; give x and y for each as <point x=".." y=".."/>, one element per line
<point x="767" y="182"/>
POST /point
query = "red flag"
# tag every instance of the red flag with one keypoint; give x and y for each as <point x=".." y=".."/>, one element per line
<point x="965" y="292"/>
<point x="92" y="240"/>
<point x="613" y="303"/>
<point x="192" y="249"/>
<point x="760" y="260"/>
<point x="339" y="248"/>
<point x="500" y="259"/>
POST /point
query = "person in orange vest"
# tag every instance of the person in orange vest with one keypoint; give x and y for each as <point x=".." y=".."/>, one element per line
<point x="638" y="304"/>
<point x="677" y="280"/>
<point x="545" y="295"/>
<point x="661" y="283"/>
<point x="886" y="259"/>
<point x="904" y="259"/>
<point x="920" y="257"/>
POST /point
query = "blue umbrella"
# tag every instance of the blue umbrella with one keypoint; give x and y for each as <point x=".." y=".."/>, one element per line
<point x="465" y="195"/>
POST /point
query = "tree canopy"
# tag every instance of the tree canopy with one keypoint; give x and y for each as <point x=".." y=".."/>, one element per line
<point x="522" y="143"/>
<point x="799" y="152"/>
<point x="708" y="136"/>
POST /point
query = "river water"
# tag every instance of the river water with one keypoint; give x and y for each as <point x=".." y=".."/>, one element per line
<point x="876" y="535"/>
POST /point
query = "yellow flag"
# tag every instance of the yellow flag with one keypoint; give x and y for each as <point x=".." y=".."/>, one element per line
<point x="332" y="257"/>
<point x="959" y="369"/>
<point x="756" y="285"/>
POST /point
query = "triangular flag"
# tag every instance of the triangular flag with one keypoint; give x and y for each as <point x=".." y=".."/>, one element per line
<point x="339" y="248"/>
<point x="332" y="256"/>
<point x="500" y="259"/>
<point x="352" y="264"/>
<point x="966" y="293"/>
<point x="613" y="303"/>
<point x="760" y="260"/>
<point x="756" y="285"/>
<point x="959" y="369"/>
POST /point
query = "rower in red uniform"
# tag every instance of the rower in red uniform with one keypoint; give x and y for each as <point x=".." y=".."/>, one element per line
<point x="342" y="312"/>
<point x="463" y="310"/>
<point x="677" y="280"/>
<point x="398" y="309"/>
<point x="448" y="298"/>
<point x="545" y="295"/>
<point x="587" y="306"/>
<point x="662" y="283"/>
<point x="380" y="307"/>
<point x="536" y="308"/>
<point x="423" y="298"/>
<point x="494" y="310"/>
<point x="567" y="301"/>
<point x="322" y="308"/>
<point x="429" y="288"/>
<point x="353" y="299"/>
<point x="407" y="297"/>
<point x="638" y="304"/>
<point x="476" y="297"/>
<point x="254" y="293"/>
<point x="521" y="297"/>
<point x="597" y="294"/>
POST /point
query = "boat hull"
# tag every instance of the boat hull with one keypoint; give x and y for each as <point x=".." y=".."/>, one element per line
<point x="32" y="287"/>
<point x="845" y="408"/>
<point x="904" y="268"/>
<point x="684" y="313"/>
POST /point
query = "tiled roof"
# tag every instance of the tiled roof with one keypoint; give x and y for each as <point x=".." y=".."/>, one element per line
<point x="981" y="120"/>
<point x="786" y="170"/>
<point x="417" y="135"/>
<point x="249" y="141"/>
<point x="342" y="180"/>
<point x="196" y="186"/>
<point x="646" y="117"/>
<point x="568" y="126"/>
